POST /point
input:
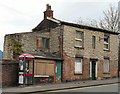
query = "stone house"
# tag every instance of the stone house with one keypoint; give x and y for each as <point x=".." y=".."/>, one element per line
<point x="83" y="52"/>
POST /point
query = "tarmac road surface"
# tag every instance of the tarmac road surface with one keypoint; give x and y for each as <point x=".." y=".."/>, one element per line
<point x="102" y="88"/>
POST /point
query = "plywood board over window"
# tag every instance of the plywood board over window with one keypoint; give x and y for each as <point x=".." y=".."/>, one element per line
<point x="38" y="43"/>
<point x="106" y="65"/>
<point x="44" y="69"/>
<point x="49" y="69"/>
<point x="78" y="65"/>
<point x="79" y="39"/>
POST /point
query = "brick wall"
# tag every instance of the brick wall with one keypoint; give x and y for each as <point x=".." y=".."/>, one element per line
<point x="70" y="51"/>
<point x="38" y="80"/>
<point x="69" y="69"/>
<point x="9" y="74"/>
<point x="29" y="45"/>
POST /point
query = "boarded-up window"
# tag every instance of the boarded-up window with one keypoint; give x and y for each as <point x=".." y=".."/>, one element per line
<point x="42" y="43"/>
<point x="49" y="69"/>
<point x="44" y="69"/>
<point x="39" y="68"/>
<point x="78" y="65"/>
<point x="79" y="39"/>
<point x="106" y="65"/>
<point x="38" y="43"/>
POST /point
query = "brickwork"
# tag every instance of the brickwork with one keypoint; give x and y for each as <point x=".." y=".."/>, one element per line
<point x="54" y="78"/>
<point x="69" y="69"/>
<point x="113" y="69"/>
<point x="70" y="51"/>
<point x="86" y="68"/>
<point x="9" y="74"/>
<point x="100" y="74"/>
<point x="88" y="52"/>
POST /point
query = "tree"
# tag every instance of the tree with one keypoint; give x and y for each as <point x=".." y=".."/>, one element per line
<point x="110" y="19"/>
<point x="88" y="22"/>
<point x="15" y="48"/>
<point x="108" y="22"/>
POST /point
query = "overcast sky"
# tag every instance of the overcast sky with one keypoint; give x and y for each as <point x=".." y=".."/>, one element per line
<point x="23" y="15"/>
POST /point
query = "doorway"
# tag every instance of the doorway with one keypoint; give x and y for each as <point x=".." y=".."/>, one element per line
<point x="93" y="69"/>
<point x="59" y="70"/>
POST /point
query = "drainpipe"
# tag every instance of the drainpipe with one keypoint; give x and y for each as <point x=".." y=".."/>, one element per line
<point x="119" y="59"/>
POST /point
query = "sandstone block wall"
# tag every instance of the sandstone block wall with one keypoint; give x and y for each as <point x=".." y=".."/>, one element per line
<point x="28" y="41"/>
<point x="88" y="52"/>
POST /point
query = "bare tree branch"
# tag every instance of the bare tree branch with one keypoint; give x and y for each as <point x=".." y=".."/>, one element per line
<point x="110" y="19"/>
<point x="108" y="22"/>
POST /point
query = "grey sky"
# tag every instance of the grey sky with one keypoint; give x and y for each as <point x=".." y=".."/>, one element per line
<point x="23" y="15"/>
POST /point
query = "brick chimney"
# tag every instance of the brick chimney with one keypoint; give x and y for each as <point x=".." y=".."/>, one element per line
<point x="48" y="12"/>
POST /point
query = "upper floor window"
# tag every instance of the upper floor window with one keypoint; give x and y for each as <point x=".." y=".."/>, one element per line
<point x="93" y="42"/>
<point x="106" y="42"/>
<point x="45" y="42"/>
<point x="38" y="43"/>
<point x="79" y="39"/>
<point x="42" y="43"/>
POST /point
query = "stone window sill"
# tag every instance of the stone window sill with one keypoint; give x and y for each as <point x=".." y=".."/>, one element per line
<point x="107" y="50"/>
<point x="106" y="72"/>
<point x="78" y="73"/>
<point x="79" y="47"/>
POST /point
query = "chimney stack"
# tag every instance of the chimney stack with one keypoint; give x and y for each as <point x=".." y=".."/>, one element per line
<point x="48" y="12"/>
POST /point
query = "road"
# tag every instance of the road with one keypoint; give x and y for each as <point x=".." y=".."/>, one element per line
<point x="101" y="88"/>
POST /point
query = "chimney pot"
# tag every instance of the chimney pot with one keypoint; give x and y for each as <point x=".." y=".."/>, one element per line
<point x="48" y="7"/>
<point x="48" y="12"/>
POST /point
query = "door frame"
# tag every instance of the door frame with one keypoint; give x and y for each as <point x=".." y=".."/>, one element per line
<point x="59" y="68"/>
<point x="96" y="68"/>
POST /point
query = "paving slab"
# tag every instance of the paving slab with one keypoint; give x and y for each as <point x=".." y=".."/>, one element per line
<point x="60" y="86"/>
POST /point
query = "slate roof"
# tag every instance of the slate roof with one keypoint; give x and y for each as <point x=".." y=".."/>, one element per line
<point x="46" y="55"/>
<point x="52" y="22"/>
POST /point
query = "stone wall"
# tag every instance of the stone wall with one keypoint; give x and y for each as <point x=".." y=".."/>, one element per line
<point x="88" y="52"/>
<point x="55" y="40"/>
<point x="29" y="40"/>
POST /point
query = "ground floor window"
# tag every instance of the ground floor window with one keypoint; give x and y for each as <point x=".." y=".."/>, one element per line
<point x="106" y="65"/>
<point x="78" y="65"/>
<point x="44" y="69"/>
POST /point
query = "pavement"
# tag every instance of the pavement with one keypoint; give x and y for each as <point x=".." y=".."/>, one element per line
<point x="60" y="86"/>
